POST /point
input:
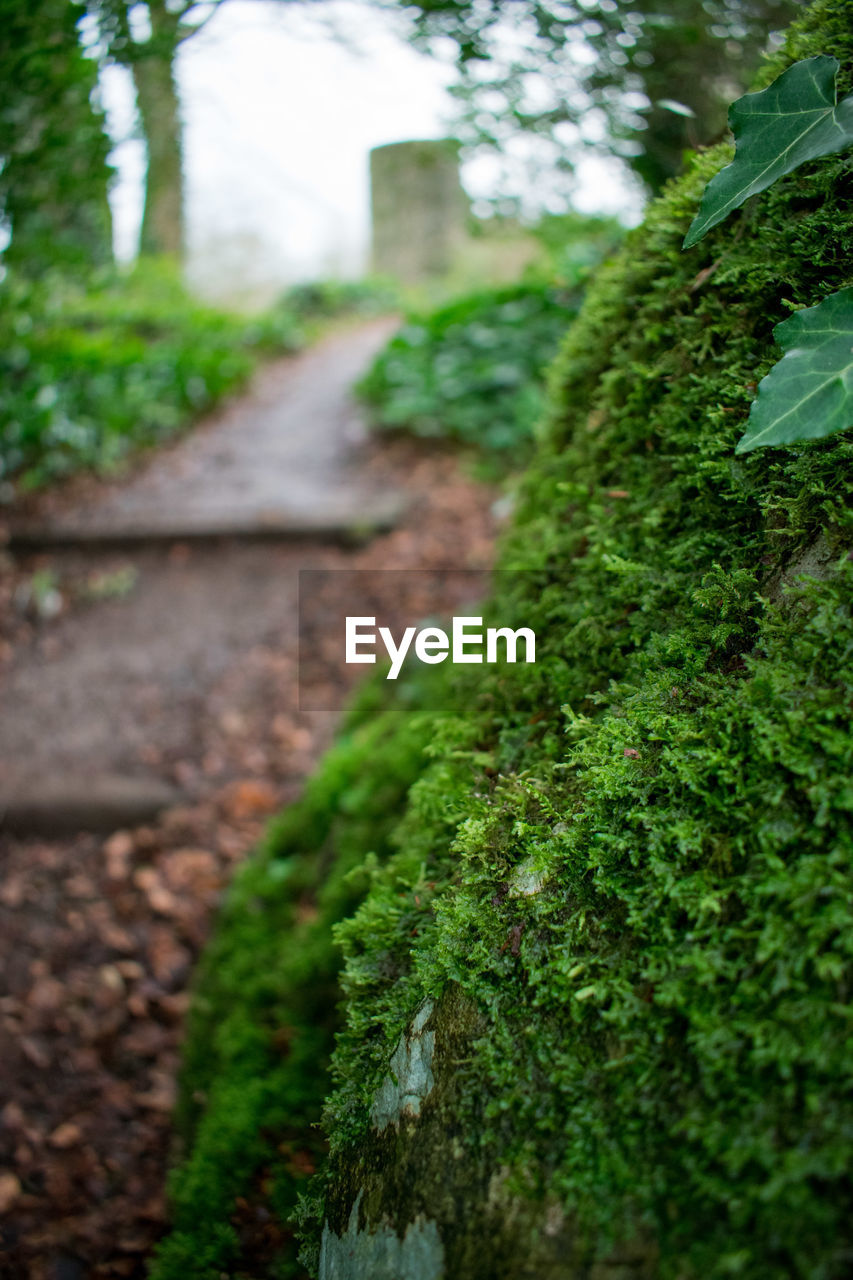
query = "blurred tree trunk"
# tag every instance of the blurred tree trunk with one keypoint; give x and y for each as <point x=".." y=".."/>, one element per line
<point x="145" y="38"/>
<point x="159" y="110"/>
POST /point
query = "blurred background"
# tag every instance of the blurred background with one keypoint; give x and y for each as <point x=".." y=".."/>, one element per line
<point x="223" y="151"/>
<point x="263" y="112"/>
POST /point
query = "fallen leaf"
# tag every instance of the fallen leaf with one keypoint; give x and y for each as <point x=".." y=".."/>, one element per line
<point x="193" y="869"/>
<point x="169" y="959"/>
<point x="250" y="797"/>
<point x="65" y="1136"/>
<point x="10" y="1189"/>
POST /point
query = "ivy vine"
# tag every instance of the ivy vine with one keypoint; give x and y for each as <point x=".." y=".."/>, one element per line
<point x="808" y="394"/>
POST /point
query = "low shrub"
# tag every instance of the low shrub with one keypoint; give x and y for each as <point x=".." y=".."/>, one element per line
<point x="472" y="371"/>
<point x="334" y="299"/>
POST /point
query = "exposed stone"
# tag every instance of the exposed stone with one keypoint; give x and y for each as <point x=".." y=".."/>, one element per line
<point x="411" y="1077"/>
<point x="381" y="1254"/>
<point x="418" y="208"/>
<point x="67" y="804"/>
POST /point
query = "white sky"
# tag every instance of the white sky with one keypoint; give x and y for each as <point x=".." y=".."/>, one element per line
<point x="280" y="113"/>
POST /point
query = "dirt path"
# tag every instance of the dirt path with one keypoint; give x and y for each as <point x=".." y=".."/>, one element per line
<point x="283" y="459"/>
<point x="167" y="665"/>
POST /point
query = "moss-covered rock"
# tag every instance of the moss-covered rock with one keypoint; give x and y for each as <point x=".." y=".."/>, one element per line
<point x="634" y="863"/>
<point x="598" y="994"/>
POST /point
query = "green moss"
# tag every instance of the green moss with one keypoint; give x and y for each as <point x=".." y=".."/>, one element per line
<point x="264" y="1012"/>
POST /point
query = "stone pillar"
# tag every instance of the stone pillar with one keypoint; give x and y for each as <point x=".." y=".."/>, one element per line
<point x="418" y="208"/>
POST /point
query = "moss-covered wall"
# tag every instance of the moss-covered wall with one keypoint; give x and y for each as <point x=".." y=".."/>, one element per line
<point x="598" y="987"/>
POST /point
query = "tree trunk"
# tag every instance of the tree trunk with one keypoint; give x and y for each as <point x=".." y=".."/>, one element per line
<point x="159" y="109"/>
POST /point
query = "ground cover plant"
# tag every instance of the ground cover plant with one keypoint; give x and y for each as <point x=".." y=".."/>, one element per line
<point x="94" y="367"/>
<point x="615" y="914"/>
<point x="323" y="300"/>
<point x="471" y="371"/>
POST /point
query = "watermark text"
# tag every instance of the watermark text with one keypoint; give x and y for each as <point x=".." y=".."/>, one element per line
<point x="432" y="645"/>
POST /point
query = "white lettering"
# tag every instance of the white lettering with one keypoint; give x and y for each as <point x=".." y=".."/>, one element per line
<point x="432" y="645"/>
<point x="461" y="637"/>
<point x="511" y="638"/>
<point x="354" y="637"/>
<point x="396" y="653"/>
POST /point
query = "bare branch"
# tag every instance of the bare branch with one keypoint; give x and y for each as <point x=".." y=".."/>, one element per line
<point x="186" y="32"/>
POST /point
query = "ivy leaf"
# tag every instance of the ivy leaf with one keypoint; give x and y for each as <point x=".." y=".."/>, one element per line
<point x="809" y="392"/>
<point x="793" y="120"/>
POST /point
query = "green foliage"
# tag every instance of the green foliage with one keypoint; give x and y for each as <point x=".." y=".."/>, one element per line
<point x="334" y="299"/>
<point x="573" y="245"/>
<point x="264" y="1012"/>
<point x="471" y="371"/>
<point x="53" y="147"/>
<point x="91" y="371"/>
<point x="795" y="119"/>
<point x="650" y="56"/>
<point x="809" y="393"/>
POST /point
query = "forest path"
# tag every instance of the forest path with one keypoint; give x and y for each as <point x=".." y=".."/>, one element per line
<point x="94" y="722"/>
<point x="167" y="666"/>
<point x="282" y="459"/>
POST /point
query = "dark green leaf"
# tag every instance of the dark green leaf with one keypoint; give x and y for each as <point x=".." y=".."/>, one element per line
<point x="809" y="393"/>
<point x="795" y="119"/>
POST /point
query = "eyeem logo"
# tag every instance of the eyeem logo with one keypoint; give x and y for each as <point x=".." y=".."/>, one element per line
<point x="433" y="645"/>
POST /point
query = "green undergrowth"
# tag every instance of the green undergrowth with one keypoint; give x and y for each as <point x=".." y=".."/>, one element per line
<point x="92" y="369"/>
<point x="264" y="1011"/>
<point x="471" y="371"/>
<point x="632" y="859"/>
<point x="95" y="368"/>
<point x="324" y="300"/>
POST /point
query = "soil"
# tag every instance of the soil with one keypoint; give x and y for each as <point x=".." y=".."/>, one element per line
<point x="172" y="665"/>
